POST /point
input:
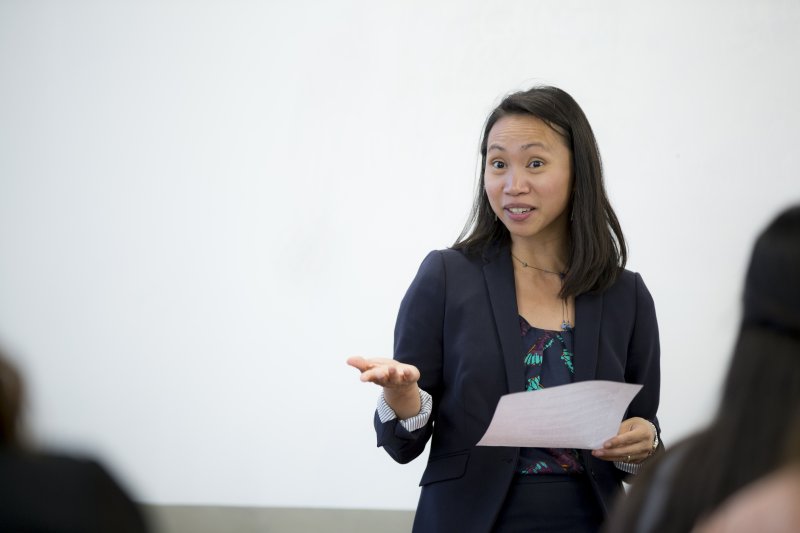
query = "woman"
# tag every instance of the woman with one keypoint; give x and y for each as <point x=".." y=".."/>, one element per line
<point x="533" y="294"/>
<point x="755" y="430"/>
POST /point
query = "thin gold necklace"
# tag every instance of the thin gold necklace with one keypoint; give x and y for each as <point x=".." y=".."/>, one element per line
<point x="565" y="324"/>
<point x="526" y="265"/>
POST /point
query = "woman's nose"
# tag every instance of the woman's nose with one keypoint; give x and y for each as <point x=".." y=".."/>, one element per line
<point x="515" y="183"/>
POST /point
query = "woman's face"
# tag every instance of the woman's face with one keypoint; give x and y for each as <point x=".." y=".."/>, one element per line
<point x="528" y="178"/>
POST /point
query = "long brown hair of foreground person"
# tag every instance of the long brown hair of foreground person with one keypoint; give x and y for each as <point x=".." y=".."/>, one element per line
<point x="754" y="429"/>
<point x="51" y="492"/>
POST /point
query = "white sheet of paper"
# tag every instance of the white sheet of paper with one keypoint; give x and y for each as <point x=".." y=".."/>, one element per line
<point x="578" y="415"/>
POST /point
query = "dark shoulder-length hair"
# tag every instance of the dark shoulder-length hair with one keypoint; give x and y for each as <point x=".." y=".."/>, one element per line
<point x="757" y="424"/>
<point x="597" y="250"/>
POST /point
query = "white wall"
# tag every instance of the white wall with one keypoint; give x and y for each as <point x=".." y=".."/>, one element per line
<point x="205" y="207"/>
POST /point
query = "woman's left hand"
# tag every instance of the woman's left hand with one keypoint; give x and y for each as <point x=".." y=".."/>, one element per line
<point x="633" y="443"/>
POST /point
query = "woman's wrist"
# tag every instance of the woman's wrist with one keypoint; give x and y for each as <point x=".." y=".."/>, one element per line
<point x="404" y="401"/>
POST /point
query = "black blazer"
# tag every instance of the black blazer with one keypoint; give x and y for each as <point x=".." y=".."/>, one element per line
<point x="458" y="323"/>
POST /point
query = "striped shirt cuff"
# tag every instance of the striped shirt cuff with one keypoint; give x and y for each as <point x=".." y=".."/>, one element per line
<point x="386" y="413"/>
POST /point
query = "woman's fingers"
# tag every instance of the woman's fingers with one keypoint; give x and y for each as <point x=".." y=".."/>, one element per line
<point x="626" y="455"/>
<point x="363" y="363"/>
<point x="357" y="362"/>
<point x="632" y="444"/>
<point x="385" y="372"/>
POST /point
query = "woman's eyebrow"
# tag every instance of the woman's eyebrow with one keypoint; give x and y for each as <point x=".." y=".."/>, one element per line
<point x="522" y="147"/>
<point x="531" y="145"/>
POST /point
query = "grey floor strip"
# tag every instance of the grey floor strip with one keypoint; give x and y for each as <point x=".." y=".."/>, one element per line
<point x="210" y="519"/>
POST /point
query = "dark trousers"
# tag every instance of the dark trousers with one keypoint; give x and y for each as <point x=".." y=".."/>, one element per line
<point x="550" y="503"/>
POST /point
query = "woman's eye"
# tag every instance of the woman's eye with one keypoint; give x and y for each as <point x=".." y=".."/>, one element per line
<point x="535" y="163"/>
<point x="498" y="164"/>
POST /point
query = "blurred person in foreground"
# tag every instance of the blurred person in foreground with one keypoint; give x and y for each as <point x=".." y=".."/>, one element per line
<point x="48" y="492"/>
<point x="754" y="433"/>
<point x="770" y="505"/>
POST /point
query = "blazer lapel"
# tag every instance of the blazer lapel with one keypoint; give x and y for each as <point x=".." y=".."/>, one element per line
<point x="588" y="313"/>
<point x="499" y="275"/>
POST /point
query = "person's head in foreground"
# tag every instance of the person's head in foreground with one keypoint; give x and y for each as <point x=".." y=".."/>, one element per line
<point x="755" y="428"/>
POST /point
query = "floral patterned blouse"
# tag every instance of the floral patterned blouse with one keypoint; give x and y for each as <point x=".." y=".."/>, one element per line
<point x="548" y="363"/>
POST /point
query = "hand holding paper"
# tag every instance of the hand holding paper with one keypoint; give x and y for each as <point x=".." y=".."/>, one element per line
<point x="579" y="415"/>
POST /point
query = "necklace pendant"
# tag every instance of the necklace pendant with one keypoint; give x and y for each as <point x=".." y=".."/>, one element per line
<point x="565" y="325"/>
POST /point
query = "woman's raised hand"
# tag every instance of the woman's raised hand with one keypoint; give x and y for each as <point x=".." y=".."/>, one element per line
<point x="385" y="372"/>
<point x="399" y="382"/>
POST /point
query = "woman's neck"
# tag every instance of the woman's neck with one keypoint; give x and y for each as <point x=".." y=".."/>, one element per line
<point x="549" y="254"/>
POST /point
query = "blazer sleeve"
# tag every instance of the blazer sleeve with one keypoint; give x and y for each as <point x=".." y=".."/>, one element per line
<point x="418" y="341"/>
<point x="644" y="355"/>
